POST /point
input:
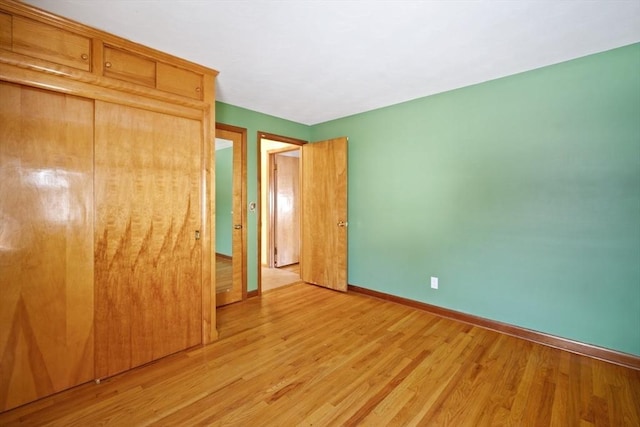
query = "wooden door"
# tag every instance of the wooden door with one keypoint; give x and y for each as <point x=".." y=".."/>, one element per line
<point x="231" y="286"/>
<point x="286" y="228"/>
<point x="147" y="255"/>
<point x="323" y="259"/>
<point x="46" y="243"/>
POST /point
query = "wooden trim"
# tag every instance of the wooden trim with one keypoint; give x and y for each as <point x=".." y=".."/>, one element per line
<point x="245" y="223"/>
<point x="57" y="83"/>
<point x="46" y="70"/>
<point x="219" y="255"/>
<point x="271" y="262"/>
<point x="280" y="138"/>
<point x="231" y="128"/>
<point x="253" y="293"/>
<point x="209" y="322"/>
<point x="282" y="150"/>
<point x="259" y="207"/>
<point x="589" y="350"/>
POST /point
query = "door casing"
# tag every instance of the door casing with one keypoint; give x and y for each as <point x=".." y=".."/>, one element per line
<point x="272" y="137"/>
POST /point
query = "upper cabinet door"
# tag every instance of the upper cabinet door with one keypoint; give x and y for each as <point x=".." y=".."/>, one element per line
<point x="128" y="66"/>
<point x="323" y="257"/>
<point x="46" y="243"/>
<point x="179" y="81"/>
<point x="53" y="44"/>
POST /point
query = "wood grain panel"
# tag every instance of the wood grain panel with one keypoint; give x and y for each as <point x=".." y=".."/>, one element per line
<point x="323" y="255"/>
<point x="5" y="31"/>
<point x="287" y="209"/>
<point x="148" y="262"/>
<point x="50" y="43"/>
<point x="46" y="243"/>
<point x="238" y="288"/>
<point x="179" y="81"/>
<point x="127" y="66"/>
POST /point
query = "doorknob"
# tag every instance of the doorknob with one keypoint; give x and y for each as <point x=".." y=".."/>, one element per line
<point x="238" y="226"/>
<point x="342" y="223"/>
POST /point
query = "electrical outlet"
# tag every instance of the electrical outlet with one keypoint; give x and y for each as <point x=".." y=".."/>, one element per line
<point x="434" y="282"/>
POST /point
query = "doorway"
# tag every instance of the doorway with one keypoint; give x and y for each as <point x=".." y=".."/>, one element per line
<point x="230" y="214"/>
<point x="323" y="212"/>
<point x="279" y="188"/>
<point x="283" y="207"/>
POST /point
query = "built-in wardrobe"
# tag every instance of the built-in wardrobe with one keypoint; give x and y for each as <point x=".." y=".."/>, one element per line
<point x="105" y="204"/>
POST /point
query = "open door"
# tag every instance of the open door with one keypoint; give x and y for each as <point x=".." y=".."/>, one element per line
<point x="230" y="214"/>
<point x="285" y="182"/>
<point x="323" y="255"/>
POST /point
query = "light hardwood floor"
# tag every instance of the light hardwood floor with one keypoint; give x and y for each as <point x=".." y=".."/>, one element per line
<point x="273" y="278"/>
<point x="303" y="355"/>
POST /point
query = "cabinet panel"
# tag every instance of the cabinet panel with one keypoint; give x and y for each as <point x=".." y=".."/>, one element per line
<point x="179" y="81"/>
<point x="50" y="43"/>
<point x="46" y="243"/>
<point x="127" y="66"/>
<point x="5" y="31"/>
<point x="147" y="261"/>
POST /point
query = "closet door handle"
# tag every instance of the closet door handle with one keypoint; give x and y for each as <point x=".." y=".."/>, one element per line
<point x="238" y="226"/>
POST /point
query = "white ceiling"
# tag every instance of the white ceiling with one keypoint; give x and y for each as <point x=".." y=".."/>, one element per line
<point x="315" y="60"/>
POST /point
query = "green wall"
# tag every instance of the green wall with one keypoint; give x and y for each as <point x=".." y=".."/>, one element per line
<point x="521" y="194"/>
<point x="224" y="200"/>
<point x="254" y="122"/>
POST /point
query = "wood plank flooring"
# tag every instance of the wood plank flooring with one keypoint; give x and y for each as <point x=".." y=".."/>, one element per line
<point x="273" y="278"/>
<point x="303" y="355"/>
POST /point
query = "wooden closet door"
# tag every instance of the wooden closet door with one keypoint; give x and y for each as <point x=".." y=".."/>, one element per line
<point x="46" y="243"/>
<point x="147" y="260"/>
